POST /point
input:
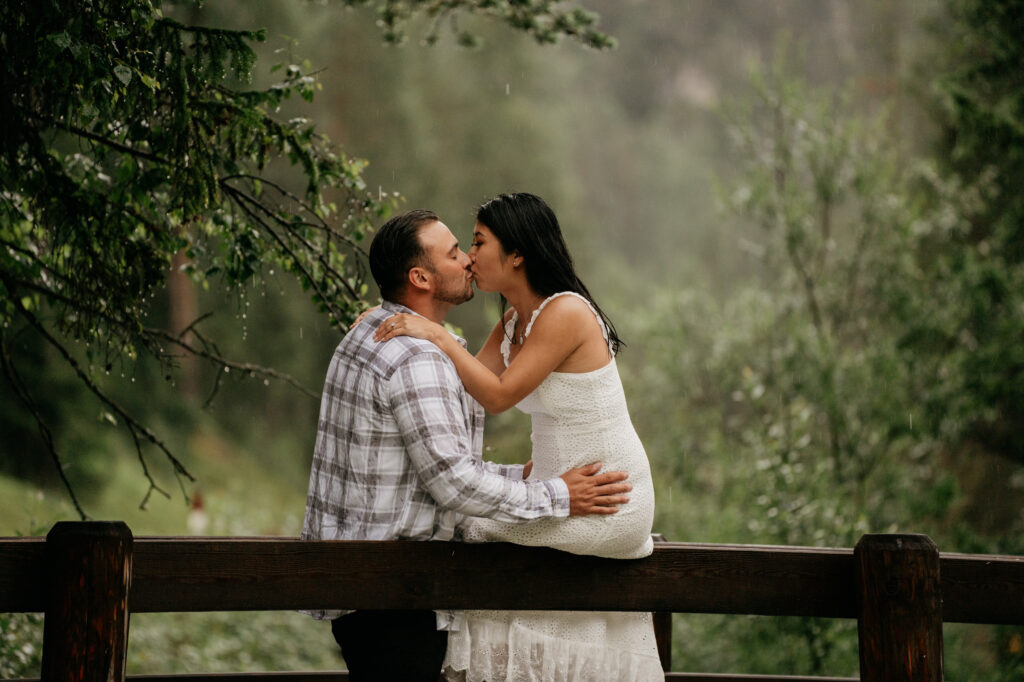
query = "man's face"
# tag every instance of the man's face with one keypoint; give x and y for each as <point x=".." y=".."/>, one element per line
<point x="453" y="282"/>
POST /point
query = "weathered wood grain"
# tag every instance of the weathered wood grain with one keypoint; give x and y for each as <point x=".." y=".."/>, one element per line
<point x="981" y="588"/>
<point x="246" y="574"/>
<point x="85" y="633"/>
<point x="899" y="608"/>
<point x="210" y="574"/>
<point x="23" y="575"/>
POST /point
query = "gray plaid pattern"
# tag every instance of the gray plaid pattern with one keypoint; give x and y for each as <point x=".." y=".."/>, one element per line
<point x="398" y="446"/>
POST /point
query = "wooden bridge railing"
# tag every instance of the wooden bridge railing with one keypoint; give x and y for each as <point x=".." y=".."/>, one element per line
<point x="87" y="577"/>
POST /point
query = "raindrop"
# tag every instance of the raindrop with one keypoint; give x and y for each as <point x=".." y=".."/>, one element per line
<point x="508" y="88"/>
<point x="227" y="369"/>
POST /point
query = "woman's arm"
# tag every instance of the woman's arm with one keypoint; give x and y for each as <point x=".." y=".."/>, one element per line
<point x="559" y="330"/>
<point x="490" y="353"/>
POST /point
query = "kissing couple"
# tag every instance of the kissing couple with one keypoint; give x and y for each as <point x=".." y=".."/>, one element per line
<point x="399" y="444"/>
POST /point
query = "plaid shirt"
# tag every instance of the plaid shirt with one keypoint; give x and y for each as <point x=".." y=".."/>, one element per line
<point x="398" y="448"/>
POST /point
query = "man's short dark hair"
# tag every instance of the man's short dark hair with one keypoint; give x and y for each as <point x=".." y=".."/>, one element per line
<point x="396" y="249"/>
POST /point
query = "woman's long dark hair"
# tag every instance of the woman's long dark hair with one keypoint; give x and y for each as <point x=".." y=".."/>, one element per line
<point x="525" y="223"/>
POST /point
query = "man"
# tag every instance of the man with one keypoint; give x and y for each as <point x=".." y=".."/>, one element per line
<point x="398" y="447"/>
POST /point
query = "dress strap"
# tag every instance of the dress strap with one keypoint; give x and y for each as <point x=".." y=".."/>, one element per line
<point x="533" y="318"/>
<point x="506" y="340"/>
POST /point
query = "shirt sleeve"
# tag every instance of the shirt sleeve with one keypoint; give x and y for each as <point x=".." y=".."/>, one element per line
<point x="513" y="471"/>
<point x="426" y="399"/>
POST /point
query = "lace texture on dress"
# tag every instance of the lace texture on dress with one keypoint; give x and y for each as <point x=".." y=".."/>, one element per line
<point x="584" y="647"/>
<point x="577" y="418"/>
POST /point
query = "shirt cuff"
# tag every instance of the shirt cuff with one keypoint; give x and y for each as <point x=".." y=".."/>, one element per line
<point x="559" y="496"/>
<point x="513" y="471"/>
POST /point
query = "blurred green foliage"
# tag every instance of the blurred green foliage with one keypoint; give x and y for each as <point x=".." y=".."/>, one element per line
<point x="231" y="642"/>
<point x="21" y="644"/>
<point x="832" y="349"/>
<point x="978" y="260"/>
<point x="131" y="137"/>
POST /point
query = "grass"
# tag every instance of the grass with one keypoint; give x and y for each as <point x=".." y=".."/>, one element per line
<point x="244" y="493"/>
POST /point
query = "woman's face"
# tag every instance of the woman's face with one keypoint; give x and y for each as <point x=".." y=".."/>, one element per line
<point x="490" y="264"/>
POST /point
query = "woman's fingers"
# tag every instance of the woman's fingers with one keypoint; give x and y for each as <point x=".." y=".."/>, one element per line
<point x="362" y="316"/>
<point x="389" y="328"/>
<point x="406" y="324"/>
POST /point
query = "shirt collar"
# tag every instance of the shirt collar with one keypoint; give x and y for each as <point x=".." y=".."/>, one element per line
<point x="393" y="307"/>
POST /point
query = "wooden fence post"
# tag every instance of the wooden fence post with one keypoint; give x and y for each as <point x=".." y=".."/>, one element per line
<point x="899" y="609"/>
<point x="85" y="631"/>
<point x="663" y="627"/>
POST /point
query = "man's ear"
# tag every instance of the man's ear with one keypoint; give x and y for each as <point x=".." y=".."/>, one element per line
<point x="420" y="278"/>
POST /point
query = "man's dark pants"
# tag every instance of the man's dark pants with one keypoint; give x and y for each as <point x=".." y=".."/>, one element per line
<point x="391" y="645"/>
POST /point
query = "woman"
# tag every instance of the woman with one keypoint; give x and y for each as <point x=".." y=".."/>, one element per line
<point x="552" y="356"/>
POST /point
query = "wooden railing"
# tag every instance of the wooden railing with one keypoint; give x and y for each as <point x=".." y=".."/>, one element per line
<point x="87" y="577"/>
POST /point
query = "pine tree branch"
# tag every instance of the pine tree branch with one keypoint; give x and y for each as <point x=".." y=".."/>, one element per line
<point x="135" y="428"/>
<point x="105" y="141"/>
<point x="320" y="223"/>
<point x="25" y="396"/>
<point x="211" y="353"/>
<point x="253" y="207"/>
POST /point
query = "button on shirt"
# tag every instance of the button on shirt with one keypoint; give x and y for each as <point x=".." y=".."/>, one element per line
<point x="398" y="449"/>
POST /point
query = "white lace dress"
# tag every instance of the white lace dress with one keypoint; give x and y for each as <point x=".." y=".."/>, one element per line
<point x="577" y="419"/>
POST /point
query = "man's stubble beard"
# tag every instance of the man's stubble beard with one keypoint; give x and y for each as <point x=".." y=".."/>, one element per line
<point x="455" y="298"/>
<point x="449" y="294"/>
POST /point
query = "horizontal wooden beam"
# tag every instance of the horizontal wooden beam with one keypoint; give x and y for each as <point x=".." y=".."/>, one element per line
<point x="255" y="574"/>
<point x="342" y="676"/>
<point x="241" y="574"/>
<point x="23" y="575"/>
<point x="982" y="588"/>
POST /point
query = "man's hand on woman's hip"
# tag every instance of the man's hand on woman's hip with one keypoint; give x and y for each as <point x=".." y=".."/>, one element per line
<point x="591" y="492"/>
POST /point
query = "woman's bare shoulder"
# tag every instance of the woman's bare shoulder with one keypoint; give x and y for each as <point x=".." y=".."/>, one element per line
<point x="568" y="307"/>
<point x="566" y="313"/>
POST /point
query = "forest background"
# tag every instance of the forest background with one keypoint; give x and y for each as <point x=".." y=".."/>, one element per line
<point x="803" y="218"/>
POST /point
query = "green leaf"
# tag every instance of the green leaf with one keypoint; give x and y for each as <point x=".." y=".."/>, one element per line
<point x="61" y="40"/>
<point x="123" y="73"/>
